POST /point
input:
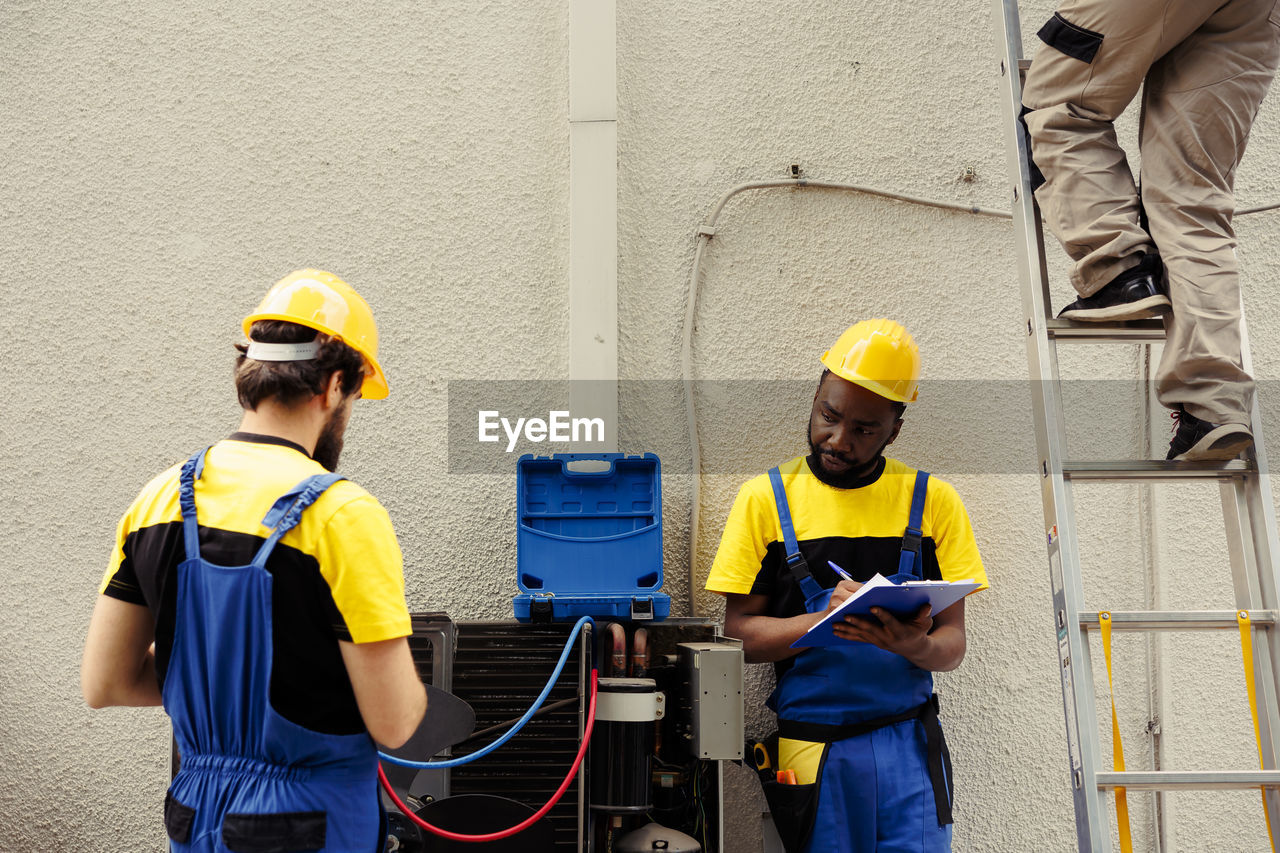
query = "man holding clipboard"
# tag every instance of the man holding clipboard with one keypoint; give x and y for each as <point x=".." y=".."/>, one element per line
<point x="858" y="721"/>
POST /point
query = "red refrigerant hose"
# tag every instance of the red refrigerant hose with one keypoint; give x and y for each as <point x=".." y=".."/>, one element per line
<point x="527" y="822"/>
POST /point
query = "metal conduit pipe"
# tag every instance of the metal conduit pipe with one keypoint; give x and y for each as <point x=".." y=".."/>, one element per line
<point x="708" y="230"/>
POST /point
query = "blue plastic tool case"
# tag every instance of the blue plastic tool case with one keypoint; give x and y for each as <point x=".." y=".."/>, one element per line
<point x="589" y="537"/>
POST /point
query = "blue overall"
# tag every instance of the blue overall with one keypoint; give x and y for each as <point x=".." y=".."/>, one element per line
<point x="250" y="780"/>
<point x="885" y="778"/>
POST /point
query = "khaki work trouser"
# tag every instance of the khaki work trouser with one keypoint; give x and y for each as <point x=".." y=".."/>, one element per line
<point x="1206" y="67"/>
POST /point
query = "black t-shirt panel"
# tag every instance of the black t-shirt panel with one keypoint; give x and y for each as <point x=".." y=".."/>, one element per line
<point x="862" y="557"/>
<point x="309" y="681"/>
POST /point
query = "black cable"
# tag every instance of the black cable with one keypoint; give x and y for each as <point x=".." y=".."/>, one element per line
<point x="545" y="709"/>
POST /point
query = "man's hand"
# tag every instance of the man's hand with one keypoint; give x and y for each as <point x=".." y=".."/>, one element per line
<point x="842" y="591"/>
<point x="935" y="644"/>
<point x="906" y="637"/>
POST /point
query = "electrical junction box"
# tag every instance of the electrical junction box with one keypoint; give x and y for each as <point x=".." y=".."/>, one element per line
<point x="713" y="673"/>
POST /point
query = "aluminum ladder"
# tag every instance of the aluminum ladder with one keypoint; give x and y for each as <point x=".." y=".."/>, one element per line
<point x="1247" y="511"/>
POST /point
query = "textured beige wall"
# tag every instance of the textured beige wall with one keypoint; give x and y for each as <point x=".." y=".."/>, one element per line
<point x="161" y="164"/>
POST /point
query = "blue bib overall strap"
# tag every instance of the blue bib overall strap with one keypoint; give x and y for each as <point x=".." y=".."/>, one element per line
<point x="250" y="780"/>
<point x="795" y="561"/>
<point x="283" y="516"/>
<point x="909" y="559"/>
<point x="286" y="512"/>
<point x="191" y="471"/>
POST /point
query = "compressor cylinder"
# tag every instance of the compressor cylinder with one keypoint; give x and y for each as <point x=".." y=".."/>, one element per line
<point x="622" y="744"/>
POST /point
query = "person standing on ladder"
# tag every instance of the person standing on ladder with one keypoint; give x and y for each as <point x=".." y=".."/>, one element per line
<point x="1204" y="69"/>
<point x="260" y="599"/>
<point x="858" y="722"/>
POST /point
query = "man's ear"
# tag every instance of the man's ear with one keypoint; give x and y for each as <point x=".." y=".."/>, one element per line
<point x="893" y="436"/>
<point x="333" y="390"/>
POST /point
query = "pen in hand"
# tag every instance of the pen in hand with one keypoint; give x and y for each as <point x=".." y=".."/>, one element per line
<point x="841" y="572"/>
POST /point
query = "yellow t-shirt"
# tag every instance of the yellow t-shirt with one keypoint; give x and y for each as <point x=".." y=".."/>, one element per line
<point x="860" y="529"/>
<point x="337" y="575"/>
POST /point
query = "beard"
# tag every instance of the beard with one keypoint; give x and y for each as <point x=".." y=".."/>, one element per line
<point x="855" y="476"/>
<point x="329" y="444"/>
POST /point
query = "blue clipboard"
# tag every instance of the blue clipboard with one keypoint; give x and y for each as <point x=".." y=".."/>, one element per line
<point x="899" y="599"/>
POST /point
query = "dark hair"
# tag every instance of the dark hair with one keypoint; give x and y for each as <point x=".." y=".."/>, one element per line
<point x="898" y="408"/>
<point x="290" y="382"/>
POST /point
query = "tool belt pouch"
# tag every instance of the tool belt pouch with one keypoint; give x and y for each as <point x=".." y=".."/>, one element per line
<point x="793" y="807"/>
<point x="937" y="756"/>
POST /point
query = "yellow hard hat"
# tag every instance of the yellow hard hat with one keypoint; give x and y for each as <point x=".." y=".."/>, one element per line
<point x="320" y="300"/>
<point x="879" y="355"/>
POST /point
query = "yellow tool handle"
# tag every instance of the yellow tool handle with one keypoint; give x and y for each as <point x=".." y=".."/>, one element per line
<point x="762" y="757"/>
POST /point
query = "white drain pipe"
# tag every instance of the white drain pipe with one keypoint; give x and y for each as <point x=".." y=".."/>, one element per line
<point x="593" y="215"/>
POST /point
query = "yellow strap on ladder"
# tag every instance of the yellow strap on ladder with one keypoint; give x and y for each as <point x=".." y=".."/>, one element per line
<point x="1246" y="646"/>
<point x="1117" y="748"/>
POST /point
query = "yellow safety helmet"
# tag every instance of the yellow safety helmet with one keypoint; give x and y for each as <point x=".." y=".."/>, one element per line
<point x="320" y="300"/>
<point x="879" y="355"/>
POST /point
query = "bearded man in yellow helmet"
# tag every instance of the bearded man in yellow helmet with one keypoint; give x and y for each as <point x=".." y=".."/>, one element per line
<point x="260" y="598"/>
<point x="858" y="722"/>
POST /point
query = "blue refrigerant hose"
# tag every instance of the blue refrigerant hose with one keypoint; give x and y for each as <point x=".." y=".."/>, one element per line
<point x="511" y="732"/>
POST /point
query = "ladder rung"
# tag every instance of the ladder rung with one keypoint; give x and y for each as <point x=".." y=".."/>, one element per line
<point x="1204" y="780"/>
<point x="1123" y="333"/>
<point x="1155" y="469"/>
<point x="1177" y="620"/>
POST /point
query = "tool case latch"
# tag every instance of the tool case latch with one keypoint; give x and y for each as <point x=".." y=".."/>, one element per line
<point x="540" y="609"/>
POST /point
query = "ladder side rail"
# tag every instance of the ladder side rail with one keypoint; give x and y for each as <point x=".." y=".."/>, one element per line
<point x="1074" y="663"/>
<point x="1252" y="542"/>
<point x="1266" y="645"/>
<point x="1261" y="515"/>
<point x="1250" y="574"/>
<point x="1259" y="508"/>
<point x="1262" y="525"/>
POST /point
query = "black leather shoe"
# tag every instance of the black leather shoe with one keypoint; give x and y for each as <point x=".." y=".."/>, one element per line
<point x="1135" y="294"/>
<point x="1198" y="440"/>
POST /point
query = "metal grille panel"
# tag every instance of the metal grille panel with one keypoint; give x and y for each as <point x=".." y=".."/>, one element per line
<point x="500" y="668"/>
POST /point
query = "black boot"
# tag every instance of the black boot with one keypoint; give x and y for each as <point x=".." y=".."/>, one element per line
<point x="1135" y="294"/>
<point x="1197" y="440"/>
